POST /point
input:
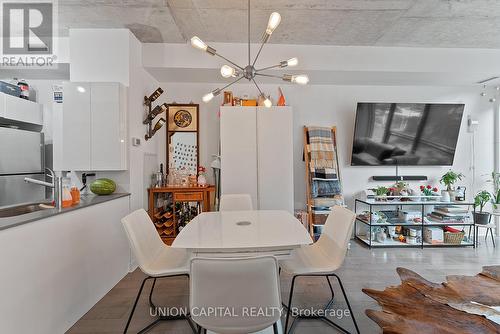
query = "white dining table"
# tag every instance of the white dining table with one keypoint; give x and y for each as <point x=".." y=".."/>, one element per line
<point x="242" y="233"/>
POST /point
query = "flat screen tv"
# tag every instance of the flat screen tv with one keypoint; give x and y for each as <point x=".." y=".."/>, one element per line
<point x="406" y="134"/>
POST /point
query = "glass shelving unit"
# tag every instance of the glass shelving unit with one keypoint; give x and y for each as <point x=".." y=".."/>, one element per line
<point x="419" y="221"/>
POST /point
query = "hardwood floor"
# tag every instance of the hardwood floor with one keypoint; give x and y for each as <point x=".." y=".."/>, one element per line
<point x="362" y="268"/>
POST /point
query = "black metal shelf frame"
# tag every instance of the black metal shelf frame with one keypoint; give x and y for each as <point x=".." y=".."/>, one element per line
<point x="399" y="205"/>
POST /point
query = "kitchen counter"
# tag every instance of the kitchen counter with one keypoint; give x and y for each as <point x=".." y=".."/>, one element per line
<point x="85" y="201"/>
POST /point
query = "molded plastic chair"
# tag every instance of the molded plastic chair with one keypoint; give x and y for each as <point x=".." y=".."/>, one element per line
<point x="323" y="258"/>
<point x="237" y="284"/>
<point x="155" y="259"/>
<point x="235" y="202"/>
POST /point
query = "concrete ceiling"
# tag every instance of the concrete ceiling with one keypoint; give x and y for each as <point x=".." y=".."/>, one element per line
<point x="418" y="23"/>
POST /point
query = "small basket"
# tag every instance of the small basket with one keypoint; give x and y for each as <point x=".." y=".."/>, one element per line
<point x="453" y="238"/>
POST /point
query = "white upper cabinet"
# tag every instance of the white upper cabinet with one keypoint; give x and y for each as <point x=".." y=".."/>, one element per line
<point x="94" y="127"/>
<point x="75" y="127"/>
<point x="108" y="127"/>
<point x="21" y="110"/>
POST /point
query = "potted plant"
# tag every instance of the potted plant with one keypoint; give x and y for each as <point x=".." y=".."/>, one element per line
<point x="480" y="201"/>
<point x="448" y="180"/>
<point x="380" y="193"/>
<point x="400" y="188"/>
<point x="428" y="191"/>
<point x="495" y="196"/>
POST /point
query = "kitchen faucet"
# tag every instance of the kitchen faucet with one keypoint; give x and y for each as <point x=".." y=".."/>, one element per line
<point x="56" y="185"/>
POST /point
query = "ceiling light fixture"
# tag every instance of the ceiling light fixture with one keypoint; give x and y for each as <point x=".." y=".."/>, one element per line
<point x="249" y="71"/>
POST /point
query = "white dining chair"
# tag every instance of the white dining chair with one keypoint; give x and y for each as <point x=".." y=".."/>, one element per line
<point x="235" y="202"/>
<point x="322" y="259"/>
<point x="155" y="259"/>
<point x="241" y="285"/>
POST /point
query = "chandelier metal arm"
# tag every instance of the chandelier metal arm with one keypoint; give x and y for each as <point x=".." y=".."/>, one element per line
<point x="258" y="53"/>
<point x="269" y="75"/>
<point x="260" y="92"/>
<point x="268" y="68"/>
<point x="232" y="83"/>
<point x="249" y="32"/>
<point x="229" y="61"/>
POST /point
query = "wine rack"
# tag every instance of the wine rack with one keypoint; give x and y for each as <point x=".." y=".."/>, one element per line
<point x="172" y="208"/>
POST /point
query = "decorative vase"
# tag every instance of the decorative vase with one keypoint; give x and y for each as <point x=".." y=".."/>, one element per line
<point x="496" y="210"/>
<point x="445" y="196"/>
<point x="202" y="180"/>
<point x="381" y="236"/>
<point x="452" y="195"/>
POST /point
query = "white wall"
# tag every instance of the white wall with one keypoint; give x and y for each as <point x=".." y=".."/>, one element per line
<point x="327" y="105"/>
<point x="100" y="55"/>
<point x="141" y="84"/>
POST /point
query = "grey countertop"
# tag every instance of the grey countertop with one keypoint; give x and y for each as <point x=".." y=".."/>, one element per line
<point x="85" y="201"/>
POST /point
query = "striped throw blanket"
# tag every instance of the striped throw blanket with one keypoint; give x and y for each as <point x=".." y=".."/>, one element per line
<point x="323" y="164"/>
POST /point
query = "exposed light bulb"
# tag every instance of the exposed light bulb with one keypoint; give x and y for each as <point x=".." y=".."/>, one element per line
<point x="292" y="62"/>
<point x="300" y="79"/>
<point x="492" y="100"/>
<point x="80" y="89"/>
<point x="483" y="94"/>
<point x="268" y="103"/>
<point x="198" y="43"/>
<point x="274" y="21"/>
<point x="208" y="97"/>
<point x="227" y="71"/>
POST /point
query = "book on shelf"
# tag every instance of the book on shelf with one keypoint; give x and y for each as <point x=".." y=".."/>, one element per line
<point x="431" y="219"/>
<point x="451" y="209"/>
<point x="444" y="216"/>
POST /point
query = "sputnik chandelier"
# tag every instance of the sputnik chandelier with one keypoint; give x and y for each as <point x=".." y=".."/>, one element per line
<point x="249" y="72"/>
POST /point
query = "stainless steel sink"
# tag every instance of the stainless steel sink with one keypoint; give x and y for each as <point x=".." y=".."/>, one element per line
<point x="23" y="209"/>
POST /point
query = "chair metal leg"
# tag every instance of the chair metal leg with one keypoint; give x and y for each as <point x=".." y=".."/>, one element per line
<point x="328" y="321"/>
<point x="348" y="304"/>
<point x="151" y="294"/>
<point x="289" y="305"/>
<point x="330" y="286"/>
<point x="160" y="318"/>
<point x="275" y="328"/>
<point x="492" y="237"/>
<point x="135" y="305"/>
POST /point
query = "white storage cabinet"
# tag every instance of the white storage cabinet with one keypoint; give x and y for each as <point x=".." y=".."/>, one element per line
<point x="257" y="155"/>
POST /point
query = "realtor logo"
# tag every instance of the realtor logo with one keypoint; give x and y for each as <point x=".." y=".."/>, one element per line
<point x="27" y="28"/>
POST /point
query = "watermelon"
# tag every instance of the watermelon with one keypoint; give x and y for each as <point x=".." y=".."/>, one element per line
<point x="103" y="186"/>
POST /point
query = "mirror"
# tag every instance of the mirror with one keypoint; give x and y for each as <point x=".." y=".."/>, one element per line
<point x="182" y="138"/>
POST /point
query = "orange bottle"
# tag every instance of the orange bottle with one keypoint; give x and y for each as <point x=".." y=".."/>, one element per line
<point x="281" y="99"/>
<point x="75" y="195"/>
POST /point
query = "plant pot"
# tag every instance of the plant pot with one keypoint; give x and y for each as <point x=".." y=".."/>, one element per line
<point x="497" y="210"/>
<point x="481" y="218"/>
<point x="445" y="196"/>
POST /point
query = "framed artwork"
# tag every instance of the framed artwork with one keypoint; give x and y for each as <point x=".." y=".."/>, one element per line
<point x="182" y="138"/>
<point x="183" y="117"/>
